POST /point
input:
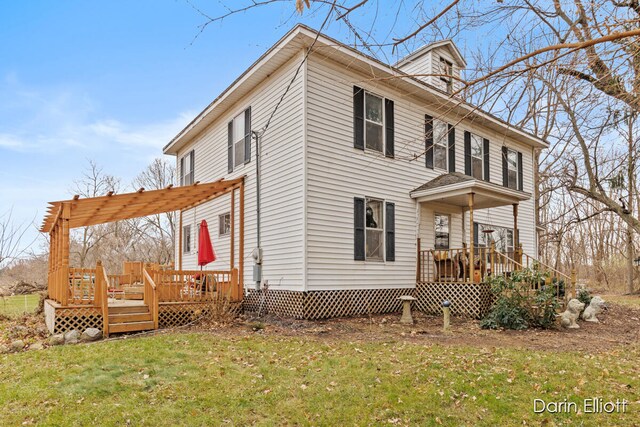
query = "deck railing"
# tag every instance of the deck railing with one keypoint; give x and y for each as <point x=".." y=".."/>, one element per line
<point x="196" y="285"/>
<point x="102" y="299"/>
<point x="453" y="266"/>
<point x="82" y="286"/>
<point x="151" y="296"/>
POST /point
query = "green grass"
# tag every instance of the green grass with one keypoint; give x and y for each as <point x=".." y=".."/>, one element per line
<point x="632" y="301"/>
<point x="202" y="380"/>
<point x="18" y="304"/>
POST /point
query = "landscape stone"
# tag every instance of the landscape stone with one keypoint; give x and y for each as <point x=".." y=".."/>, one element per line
<point x="595" y="307"/>
<point x="17" y="345"/>
<point x="71" y="337"/>
<point x="91" y="334"/>
<point x="570" y="316"/>
<point x="36" y="346"/>
<point x="57" y="339"/>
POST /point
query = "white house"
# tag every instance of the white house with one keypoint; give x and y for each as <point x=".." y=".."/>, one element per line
<point x="365" y="170"/>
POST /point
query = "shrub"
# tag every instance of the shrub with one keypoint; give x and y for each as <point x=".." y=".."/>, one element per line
<point x="584" y="296"/>
<point x="522" y="300"/>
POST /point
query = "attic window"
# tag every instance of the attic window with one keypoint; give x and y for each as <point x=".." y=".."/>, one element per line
<point x="446" y="71"/>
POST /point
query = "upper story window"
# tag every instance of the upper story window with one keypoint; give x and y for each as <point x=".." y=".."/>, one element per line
<point x="373" y="122"/>
<point x="440" y="144"/>
<point x="187" y="168"/>
<point x="512" y="169"/>
<point x="442" y="231"/>
<point x="374" y="135"/>
<point x="446" y="71"/>
<point x="239" y="140"/>
<point x="477" y="157"/>
<point x="224" y="224"/>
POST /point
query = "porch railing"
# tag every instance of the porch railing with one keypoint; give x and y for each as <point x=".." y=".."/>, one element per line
<point x="197" y="286"/>
<point x="151" y="296"/>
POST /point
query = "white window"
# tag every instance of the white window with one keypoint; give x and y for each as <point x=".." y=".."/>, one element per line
<point x="186" y="239"/>
<point x="440" y="144"/>
<point x="224" y="224"/>
<point x="477" y="157"/>
<point x="446" y="71"/>
<point x="187" y="170"/>
<point x="238" y="139"/>
<point x="512" y="169"/>
<point x="374" y="122"/>
<point x="374" y="226"/>
<point x="442" y="231"/>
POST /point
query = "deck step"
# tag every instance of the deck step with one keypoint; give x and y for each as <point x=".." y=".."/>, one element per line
<point x="129" y="317"/>
<point x="130" y="327"/>
<point x="129" y="309"/>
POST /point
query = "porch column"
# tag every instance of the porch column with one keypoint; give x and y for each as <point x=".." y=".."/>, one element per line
<point x="241" y="241"/>
<point x="232" y="240"/>
<point x="66" y="215"/>
<point x="471" y="248"/>
<point x="180" y="241"/>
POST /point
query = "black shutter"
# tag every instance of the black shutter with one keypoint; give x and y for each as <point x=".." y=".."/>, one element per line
<point x="390" y="230"/>
<point x="182" y="171"/>
<point x="230" y="147"/>
<point x="505" y="167"/>
<point x="485" y="151"/>
<point x="520" y="174"/>
<point x="192" y="173"/>
<point x="358" y="117"/>
<point x="467" y="153"/>
<point x="247" y="135"/>
<point x="389" y="125"/>
<point x="476" y="241"/>
<point x="452" y="148"/>
<point x="428" y="141"/>
<point x="358" y="229"/>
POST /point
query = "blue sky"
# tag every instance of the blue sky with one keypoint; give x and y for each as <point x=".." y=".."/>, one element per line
<point x="113" y="81"/>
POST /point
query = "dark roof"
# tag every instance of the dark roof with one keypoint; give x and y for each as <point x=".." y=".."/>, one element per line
<point x="445" y="180"/>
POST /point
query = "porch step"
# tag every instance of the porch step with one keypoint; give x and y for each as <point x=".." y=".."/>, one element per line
<point x="128" y="309"/>
<point x="129" y="317"/>
<point x="130" y="326"/>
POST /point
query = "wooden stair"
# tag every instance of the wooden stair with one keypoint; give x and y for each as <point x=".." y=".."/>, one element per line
<point x="130" y="319"/>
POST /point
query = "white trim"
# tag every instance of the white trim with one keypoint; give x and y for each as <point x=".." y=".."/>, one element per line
<point x="431" y="46"/>
<point x="305" y="178"/>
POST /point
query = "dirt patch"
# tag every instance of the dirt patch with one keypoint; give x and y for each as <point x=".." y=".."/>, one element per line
<point x="619" y="326"/>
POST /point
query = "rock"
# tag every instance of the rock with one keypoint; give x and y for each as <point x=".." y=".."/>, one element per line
<point x="36" y="346"/>
<point x="71" y="337"/>
<point x="17" y="345"/>
<point x="4" y="349"/>
<point x="57" y="339"/>
<point x="91" y="334"/>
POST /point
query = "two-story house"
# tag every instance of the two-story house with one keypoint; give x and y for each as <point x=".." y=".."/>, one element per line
<point x="374" y="181"/>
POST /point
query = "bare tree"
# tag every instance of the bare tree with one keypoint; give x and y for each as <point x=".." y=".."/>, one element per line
<point x="12" y="239"/>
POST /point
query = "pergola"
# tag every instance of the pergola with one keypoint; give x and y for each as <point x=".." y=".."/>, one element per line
<point x="67" y="214"/>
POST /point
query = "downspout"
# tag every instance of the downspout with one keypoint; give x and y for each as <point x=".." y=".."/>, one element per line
<point x="257" y="253"/>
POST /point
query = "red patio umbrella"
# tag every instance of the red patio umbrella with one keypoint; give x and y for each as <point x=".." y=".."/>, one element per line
<point x="205" y="249"/>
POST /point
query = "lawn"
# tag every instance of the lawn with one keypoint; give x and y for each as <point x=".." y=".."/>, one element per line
<point x="205" y="379"/>
<point x="18" y="304"/>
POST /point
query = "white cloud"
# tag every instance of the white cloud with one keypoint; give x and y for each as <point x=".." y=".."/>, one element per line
<point x="55" y="120"/>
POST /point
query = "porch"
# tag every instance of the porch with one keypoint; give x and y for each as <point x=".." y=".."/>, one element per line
<point x="459" y="273"/>
<point x="142" y="296"/>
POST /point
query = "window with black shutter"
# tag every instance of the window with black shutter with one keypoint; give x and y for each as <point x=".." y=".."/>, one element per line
<point x="374" y="229"/>
<point x="452" y="148"/>
<point x="373" y="122"/>
<point x="511" y="168"/>
<point x="239" y="140"/>
<point x="476" y="156"/>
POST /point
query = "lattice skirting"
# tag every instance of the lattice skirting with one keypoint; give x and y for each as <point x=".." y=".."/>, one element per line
<point x="467" y="299"/>
<point x="173" y="315"/>
<point x="315" y="305"/>
<point x="79" y="318"/>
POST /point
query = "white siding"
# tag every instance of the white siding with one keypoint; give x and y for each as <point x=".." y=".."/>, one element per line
<point x="336" y="173"/>
<point x="428" y="63"/>
<point x="282" y="217"/>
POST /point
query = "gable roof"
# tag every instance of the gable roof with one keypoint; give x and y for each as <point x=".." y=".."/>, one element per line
<point x="302" y="37"/>
<point x="447" y="43"/>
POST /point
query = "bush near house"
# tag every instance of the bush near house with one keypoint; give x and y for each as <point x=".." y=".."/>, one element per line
<point x="523" y="300"/>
